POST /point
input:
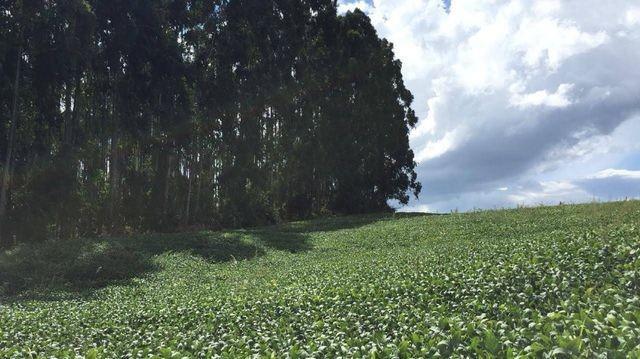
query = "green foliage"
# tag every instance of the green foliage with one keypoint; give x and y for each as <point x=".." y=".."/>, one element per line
<point x="34" y="268"/>
<point x="159" y="115"/>
<point x="70" y="264"/>
<point x="546" y="282"/>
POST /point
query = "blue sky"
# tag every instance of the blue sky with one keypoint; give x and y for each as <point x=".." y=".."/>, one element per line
<point x="521" y="102"/>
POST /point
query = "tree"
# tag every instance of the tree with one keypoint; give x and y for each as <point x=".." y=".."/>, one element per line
<point x="146" y="115"/>
<point x="6" y="166"/>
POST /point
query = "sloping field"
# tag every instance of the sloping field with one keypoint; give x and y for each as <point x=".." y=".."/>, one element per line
<point x="550" y="281"/>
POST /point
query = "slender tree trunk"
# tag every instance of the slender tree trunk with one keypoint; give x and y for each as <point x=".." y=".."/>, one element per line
<point x="196" y="209"/>
<point x="77" y="104"/>
<point x="65" y="219"/>
<point x="114" y="186"/>
<point x="6" y="173"/>
<point x="114" y="162"/>
<point x="68" y="118"/>
<point x="190" y="175"/>
<point x="165" y="197"/>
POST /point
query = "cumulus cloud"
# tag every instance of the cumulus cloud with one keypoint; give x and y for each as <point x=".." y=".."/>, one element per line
<point x="610" y="172"/>
<point x="519" y="100"/>
<point x="632" y="17"/>
<point x="352" y="5"/>
<point x="542" y="97"/>
<point x="613" y="184"/>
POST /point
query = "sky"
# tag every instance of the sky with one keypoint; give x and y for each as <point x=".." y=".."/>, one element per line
<point x="521" y="102"/>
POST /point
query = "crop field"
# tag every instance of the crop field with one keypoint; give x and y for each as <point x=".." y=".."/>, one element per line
<point x="554" y="281"/>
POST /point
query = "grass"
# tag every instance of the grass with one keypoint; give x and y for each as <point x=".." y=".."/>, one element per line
<point x="541" y="282"/>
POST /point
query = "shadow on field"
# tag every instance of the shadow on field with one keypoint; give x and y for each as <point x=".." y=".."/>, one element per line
<point x="283" y="241"/>
<point x="54" y="270"/>
<point x="338" y="223"/>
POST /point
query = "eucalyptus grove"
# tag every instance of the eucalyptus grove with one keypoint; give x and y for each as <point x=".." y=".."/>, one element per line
<point x="151" y="115"/>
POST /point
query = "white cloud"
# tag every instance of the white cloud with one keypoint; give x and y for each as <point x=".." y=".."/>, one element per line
<point x="438" y="147"/>
<point x="632" y="17"/>
<point x="549" y="41"/>
<point x="417" y="208"/>
<point x="612" y="184"/>
<point x="546" y="193"/>
<point x="547" y="7"/>
<point x="538" y="98"/>
<point x="519" y="100"/>
<point x="610" y="172"/>
<point x="350" y="6"/>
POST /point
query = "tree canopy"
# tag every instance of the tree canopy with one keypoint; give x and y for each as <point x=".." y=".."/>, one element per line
<point x="153" y="115"/>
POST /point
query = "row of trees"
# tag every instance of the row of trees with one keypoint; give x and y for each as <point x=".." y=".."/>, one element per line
<point x="156" y="114"/>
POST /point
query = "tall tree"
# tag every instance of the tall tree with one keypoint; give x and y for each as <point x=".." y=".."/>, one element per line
<point x="17" y="32"/>
<point x="147" y="115"/>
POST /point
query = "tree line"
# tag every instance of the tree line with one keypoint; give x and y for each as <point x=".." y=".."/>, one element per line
<point x="144" y="115"/>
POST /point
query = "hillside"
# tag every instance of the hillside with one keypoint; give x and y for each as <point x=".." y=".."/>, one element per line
<point x="557" y="280"/>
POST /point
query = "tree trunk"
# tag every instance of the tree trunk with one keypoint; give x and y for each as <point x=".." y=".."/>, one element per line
<point x="198" y="174"/>
<point x="6" y="173"/>
<point x="114" y="186"/>
<point x="66" y="164"/>
<point x="165" y="197"/>
<point x="77" y="105"/>
<point x="186" y="212"/>
<point x="114" y="162"/>
<point x="68" y="118"/>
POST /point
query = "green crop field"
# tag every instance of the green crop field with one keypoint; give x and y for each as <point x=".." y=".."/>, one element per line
<point x="541" y="282"/>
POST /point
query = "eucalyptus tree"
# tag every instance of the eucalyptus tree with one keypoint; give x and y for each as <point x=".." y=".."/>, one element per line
<point x="156" y="115"/>
<point x="11" y="18"/>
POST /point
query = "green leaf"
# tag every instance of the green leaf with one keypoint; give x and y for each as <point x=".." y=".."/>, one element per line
<point x="491" y="343"/>
<point x="91" y="354"/>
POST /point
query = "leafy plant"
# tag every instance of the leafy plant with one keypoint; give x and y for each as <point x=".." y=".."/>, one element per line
<point x="544" y="282"/>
